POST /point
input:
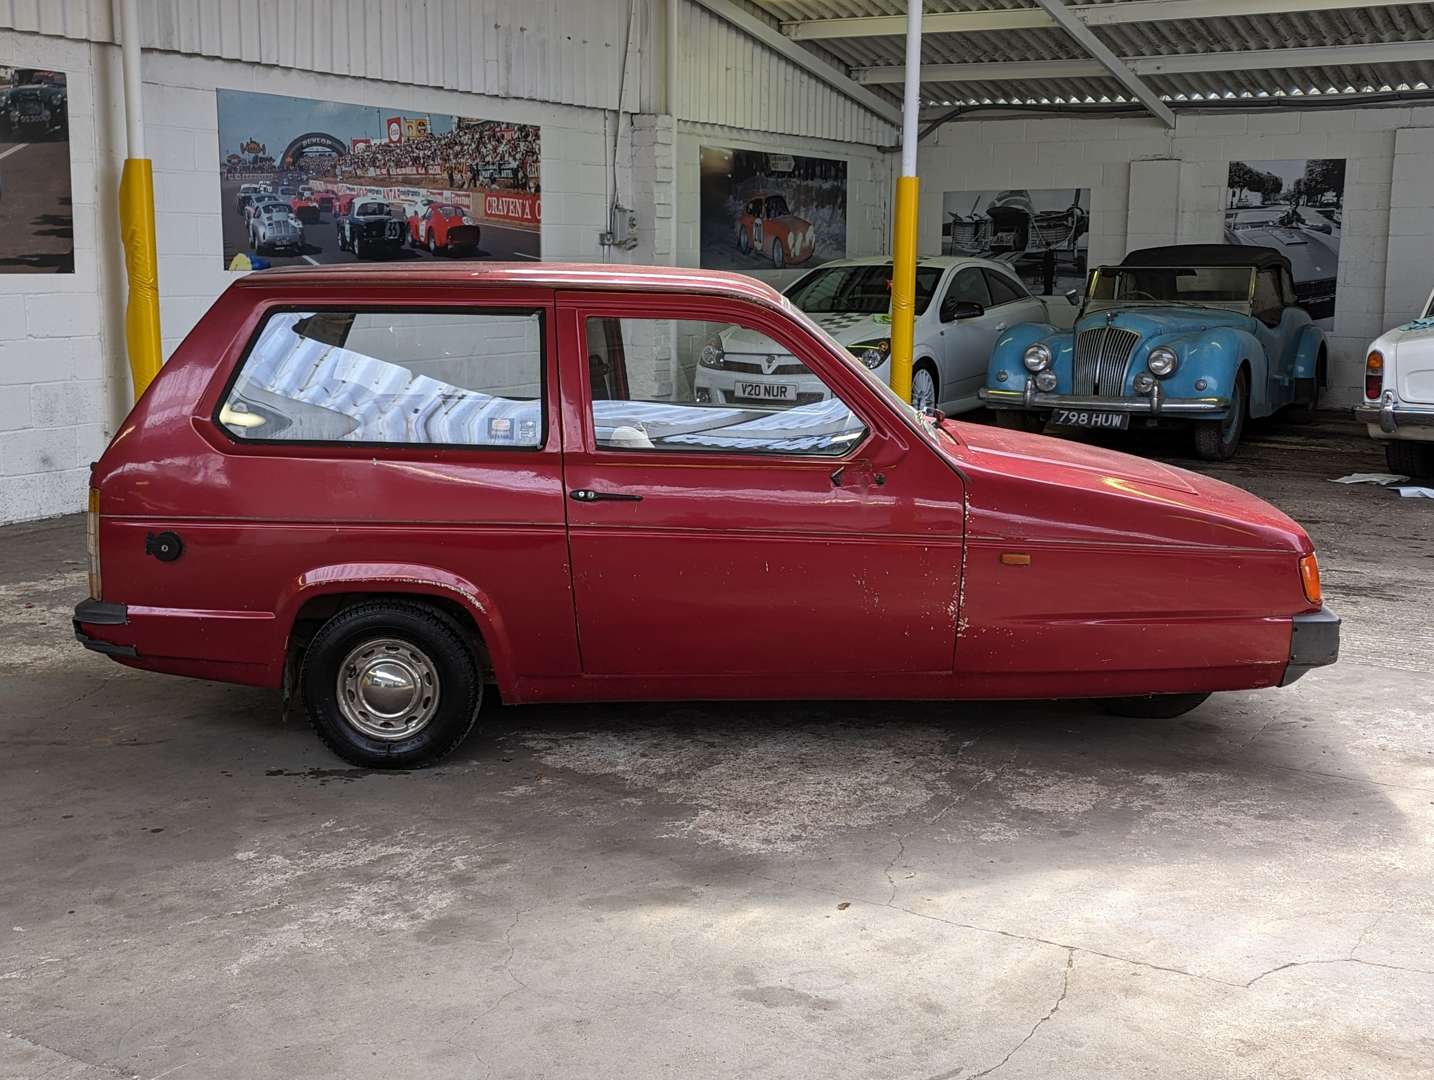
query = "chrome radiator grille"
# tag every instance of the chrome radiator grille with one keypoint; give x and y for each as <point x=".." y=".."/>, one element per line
<point x="1101" y="357"/>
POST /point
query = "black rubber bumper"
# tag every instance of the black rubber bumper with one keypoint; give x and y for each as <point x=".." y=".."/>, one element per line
<point x="1314" y="643"/>
<point x="98" y="613"/>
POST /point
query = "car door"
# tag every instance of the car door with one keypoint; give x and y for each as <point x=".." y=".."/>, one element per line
<point x="966" y="340"/>
<point x="1012" y="302"/>
<point x="769" y="541"/>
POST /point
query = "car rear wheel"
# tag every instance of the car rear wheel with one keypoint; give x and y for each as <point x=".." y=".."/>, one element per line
<point x="1153" y="706"/>
<point x="1218" y="441"/>
<point x="1017" y="420"/>
<point x="1303" y="410"/>
<point x="391" y="685"/>
<point x="744" y="242"/>
<point x="1407" y="458"/>
<point x="779" y="256"/>
<point x="432" y="245"/>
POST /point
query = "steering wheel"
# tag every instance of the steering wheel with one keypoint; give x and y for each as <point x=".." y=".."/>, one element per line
<point x="1139" y="294"/>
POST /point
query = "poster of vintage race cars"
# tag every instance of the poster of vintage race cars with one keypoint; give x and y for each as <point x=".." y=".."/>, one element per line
<point x="763" y="211"/>
<point x="1297" y="208"/>
<point x="37" y="228"/>
<point x="324" y="182"/>
<point x="1043" y="235"/>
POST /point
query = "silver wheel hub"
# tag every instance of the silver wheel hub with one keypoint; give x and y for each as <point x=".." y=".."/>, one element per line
<point x="923" y="391"/>
<point x="388" y="689"/>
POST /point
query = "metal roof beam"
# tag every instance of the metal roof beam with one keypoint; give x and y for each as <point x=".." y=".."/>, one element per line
<point x="1087" y="40"/>
<point x="830" y="74"/>
<point x="1391" y="52"/>
<point x="1113" y="14"/>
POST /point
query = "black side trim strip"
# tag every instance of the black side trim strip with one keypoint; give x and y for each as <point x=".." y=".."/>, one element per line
<point x="98" y="613"/>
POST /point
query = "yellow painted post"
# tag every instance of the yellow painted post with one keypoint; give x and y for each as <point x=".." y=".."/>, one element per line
<point x="903" y="239"/>
<point x="141" y="260"/>
<point x="903" y="286"/>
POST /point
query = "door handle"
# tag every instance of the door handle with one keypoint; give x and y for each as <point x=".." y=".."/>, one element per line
<point x="588" y="495"/>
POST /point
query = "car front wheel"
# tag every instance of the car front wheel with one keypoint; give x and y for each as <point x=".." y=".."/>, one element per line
<point x="1218" y="441"/>
<point x="923" y="389"/>
<point x="779" y="257"/>
<point x="391" y="685"/>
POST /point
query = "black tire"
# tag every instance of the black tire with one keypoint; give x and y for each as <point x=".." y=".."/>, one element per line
<point x="360" y="249"/>
<point x="1408" y="458"/>
<point x="339" y="233"/>
<point x="1154" y="706"/>
<point x="779" y="254"/>
<point x="428" y="632"/>
<point x="432" y="244"/>
<point x="1019" y="420"/>
<point x="744" y="242"/>
<point x="1218" y="441"/>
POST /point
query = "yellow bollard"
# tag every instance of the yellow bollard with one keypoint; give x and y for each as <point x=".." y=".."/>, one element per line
<point x="903" y="285"/>
<point x="141" y="260"/>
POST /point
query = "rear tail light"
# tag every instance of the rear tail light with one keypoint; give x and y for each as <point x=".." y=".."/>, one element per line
<point x="92" y="541"/>
<point x="1309" y="578"/>
<point x="1374" y="375"/>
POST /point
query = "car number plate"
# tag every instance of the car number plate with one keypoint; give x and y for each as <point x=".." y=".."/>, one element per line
<point x="1087" y="418"/>
<point x="761" y="391"/>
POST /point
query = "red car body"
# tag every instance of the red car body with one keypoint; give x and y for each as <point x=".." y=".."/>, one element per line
<point x="343" y="204"/>
<point x="305" y="208"/>
<point x="444" y="228"/>
<point x="929" y="561"/>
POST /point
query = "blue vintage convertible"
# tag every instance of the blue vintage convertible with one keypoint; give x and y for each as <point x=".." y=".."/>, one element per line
<point x="1204" y="334"/>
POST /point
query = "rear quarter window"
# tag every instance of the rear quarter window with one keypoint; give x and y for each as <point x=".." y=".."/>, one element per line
<point x="404" y="378"/>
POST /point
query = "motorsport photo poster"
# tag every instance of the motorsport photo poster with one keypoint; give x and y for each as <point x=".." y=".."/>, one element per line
<point x="37" y="226"/>
<point x="765" y="211"/>
<point x="305" y="181"/>
<point x="1043" y="235"/>
<point x="1297" y="208"/>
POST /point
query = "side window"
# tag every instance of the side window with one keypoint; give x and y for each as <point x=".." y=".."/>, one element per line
<point x="969" y="287"/>
<point x="1287" y="288"/>
<point x="1268" y="304"/>
<point x="678" y="384"/>
<point x="1004" y="290"/>
<point x="392" y="377"/>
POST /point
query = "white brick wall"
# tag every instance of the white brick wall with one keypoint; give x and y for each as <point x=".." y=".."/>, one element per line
<point x="1152" y="186"/>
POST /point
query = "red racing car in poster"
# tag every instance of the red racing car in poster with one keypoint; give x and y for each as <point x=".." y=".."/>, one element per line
<point x="766" y="225"/>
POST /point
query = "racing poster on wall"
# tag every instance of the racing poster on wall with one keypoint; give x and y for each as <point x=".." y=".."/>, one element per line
<point x="763" y="211"/>
<point x="1043" y="235"/>
<point x="1297" y="208"/>
<point x="324" y="182"/>
<point x="37" y="228"/>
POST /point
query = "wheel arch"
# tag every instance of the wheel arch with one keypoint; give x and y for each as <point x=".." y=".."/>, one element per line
<point x="1310" y="349"/>
<point x="324" y="591"/>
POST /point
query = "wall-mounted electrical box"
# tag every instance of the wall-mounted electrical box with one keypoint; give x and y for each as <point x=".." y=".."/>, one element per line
<point x="622" y="228"/>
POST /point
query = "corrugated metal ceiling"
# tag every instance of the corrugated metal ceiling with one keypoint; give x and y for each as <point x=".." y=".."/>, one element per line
<point x="1313" y="29"/>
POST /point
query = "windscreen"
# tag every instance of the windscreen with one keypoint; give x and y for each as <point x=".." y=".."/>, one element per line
<point x="1218" y="286"/>
<point x="864" y="290"/>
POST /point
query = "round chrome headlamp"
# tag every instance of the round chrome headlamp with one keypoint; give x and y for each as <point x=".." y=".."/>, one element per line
<point x="1144" y="383"/>
<point x="873" y="354"/>
<point x="1162" y="361"/>
<point x="1038" y="357"/>
<point x="1046" y="381"/>
<point x="712" y="356"/>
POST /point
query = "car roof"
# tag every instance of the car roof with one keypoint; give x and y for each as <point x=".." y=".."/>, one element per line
<point x="1207" y="255"/>
<point x="518" y="274"/>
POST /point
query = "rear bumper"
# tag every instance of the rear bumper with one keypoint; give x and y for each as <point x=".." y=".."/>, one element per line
<point x="231" y="646"/>
<point x="1156" y="404"/>
<point x="1314" y="642"/>
<point x="1390" y="418"/>
<point x="97" y="613"/>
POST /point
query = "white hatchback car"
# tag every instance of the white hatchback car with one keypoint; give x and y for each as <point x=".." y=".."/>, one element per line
<point x="1399" y="394"/>
<point x="962" y="306"/>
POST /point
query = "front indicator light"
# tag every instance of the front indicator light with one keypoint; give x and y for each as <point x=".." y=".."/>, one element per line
<point x="1309" y="578"/>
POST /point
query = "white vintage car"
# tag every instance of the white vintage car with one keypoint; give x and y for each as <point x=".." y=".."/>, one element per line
<point x="1399" y="395"/>
<point x="962" y="306"/>
<point x="274" y="227"/>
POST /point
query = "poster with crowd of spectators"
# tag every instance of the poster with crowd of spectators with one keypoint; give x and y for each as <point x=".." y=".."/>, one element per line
<point x="37" y="227"/>
<point x="1043" y="235"/>
<point x="1297" y="208"/>
<point x="326" y="182"/>
<point x="764" y="211"/>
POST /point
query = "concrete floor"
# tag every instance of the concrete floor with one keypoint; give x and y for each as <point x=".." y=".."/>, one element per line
<point x="190" y="887"/>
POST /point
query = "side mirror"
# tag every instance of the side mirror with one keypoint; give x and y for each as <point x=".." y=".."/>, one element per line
<point x="953" y="309"/>
<point x="1072" y="297"/>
